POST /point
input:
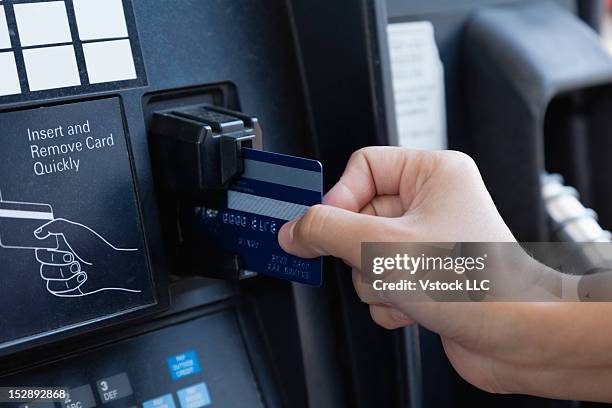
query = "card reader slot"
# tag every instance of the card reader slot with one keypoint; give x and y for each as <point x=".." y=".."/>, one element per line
<point x="198" y="153"/>
<point x="198" y="148"/>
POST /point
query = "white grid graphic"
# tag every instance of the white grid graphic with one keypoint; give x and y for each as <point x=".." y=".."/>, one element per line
<point x="9" y="80"/>
<point x="98" y="55"/>
<point x="98" y="20"/>
<point x="5" y="39"/>
<point x="51" y="67"/>
<point x="40" y="34"/>
<point x="42" y="23"/>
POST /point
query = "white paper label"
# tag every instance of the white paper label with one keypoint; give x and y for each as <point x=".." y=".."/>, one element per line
<point x="418" y="85"/>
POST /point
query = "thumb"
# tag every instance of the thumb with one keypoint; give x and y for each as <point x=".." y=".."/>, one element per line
<point x="326" y="230"/>
<point x="56" y="227"/>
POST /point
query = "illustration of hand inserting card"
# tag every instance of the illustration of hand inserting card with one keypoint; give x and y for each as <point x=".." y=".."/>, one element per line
<point x="74" y="259"/>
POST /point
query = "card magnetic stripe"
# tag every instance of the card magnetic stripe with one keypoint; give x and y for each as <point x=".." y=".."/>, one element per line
<point x="31" y="211"/>
<point x="277" y="192"/>
<point x="266" y="207"/>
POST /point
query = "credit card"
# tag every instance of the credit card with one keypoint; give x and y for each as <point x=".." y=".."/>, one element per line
<point x="273" y="189"/>
<point x="18" y="221"/>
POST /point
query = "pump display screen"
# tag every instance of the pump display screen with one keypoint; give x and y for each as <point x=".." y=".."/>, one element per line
<point x="72" y="246"/>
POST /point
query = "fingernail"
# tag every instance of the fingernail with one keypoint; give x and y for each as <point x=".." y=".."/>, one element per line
<point x="382" y="304"/>
<point x="291" y="228"/>
<point x="81" y="278"/>
<point x="74" y="268"/>
<point x="38" y="231"/>
<point x="399" y="315"/>
<point x="67" y="258"/>
<point x="328" y="198"/>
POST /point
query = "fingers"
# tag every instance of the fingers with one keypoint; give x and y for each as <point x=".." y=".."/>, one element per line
<point x="54" y="257"/>
<point x="390" y="318"/>
<point x="60" y="270"/>
<point x="68" y="285"/>
<point x="59" y="273"/>
<point x="365" y="291"/>
<point x="385" y="206"/>
<point x="326" y="230"/>
<point x="68" y="233"/>
<point x="55" y="227"/>
<point x="383" y="314"/>
<point x="379" y="171"/>
<point x="63" y="279"/>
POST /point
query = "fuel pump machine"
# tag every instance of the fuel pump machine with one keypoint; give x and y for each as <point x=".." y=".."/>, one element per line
<point x="125" y="123"/>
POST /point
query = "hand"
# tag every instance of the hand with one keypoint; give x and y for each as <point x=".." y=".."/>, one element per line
<point x="396" y="195"/>
<point x="80" y="264"/>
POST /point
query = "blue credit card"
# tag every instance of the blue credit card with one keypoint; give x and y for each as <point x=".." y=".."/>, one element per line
<point x="273" y="189"/>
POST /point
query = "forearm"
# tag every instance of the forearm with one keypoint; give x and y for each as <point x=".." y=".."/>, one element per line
<point x="563" y="350"/>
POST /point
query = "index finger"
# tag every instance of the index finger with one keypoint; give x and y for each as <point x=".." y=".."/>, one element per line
<point x="379" y="171"/>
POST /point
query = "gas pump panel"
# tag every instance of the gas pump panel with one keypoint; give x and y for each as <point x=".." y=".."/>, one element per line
<point x="72" y="243"/>
<point x="72" y="246"/>
<point x="94" y="292"/>
<point x="164" y="366"/>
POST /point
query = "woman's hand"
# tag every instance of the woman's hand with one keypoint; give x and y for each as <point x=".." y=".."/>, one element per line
<point x="391" y="194"/>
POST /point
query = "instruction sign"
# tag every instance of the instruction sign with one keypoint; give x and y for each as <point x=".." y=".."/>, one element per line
<point x="71" y="240"/>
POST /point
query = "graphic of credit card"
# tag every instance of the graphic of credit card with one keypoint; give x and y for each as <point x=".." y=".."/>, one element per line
<point x="18" y="221"/>
<point x="273" y="189"/>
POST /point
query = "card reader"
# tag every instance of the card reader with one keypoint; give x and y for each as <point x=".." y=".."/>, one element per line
<point x="231" y="200"/>
<point x="198" y="147"/>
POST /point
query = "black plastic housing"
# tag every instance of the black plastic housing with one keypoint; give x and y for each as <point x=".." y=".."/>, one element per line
<point x="197" y="148"/>
<point x="520" y="60"/>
